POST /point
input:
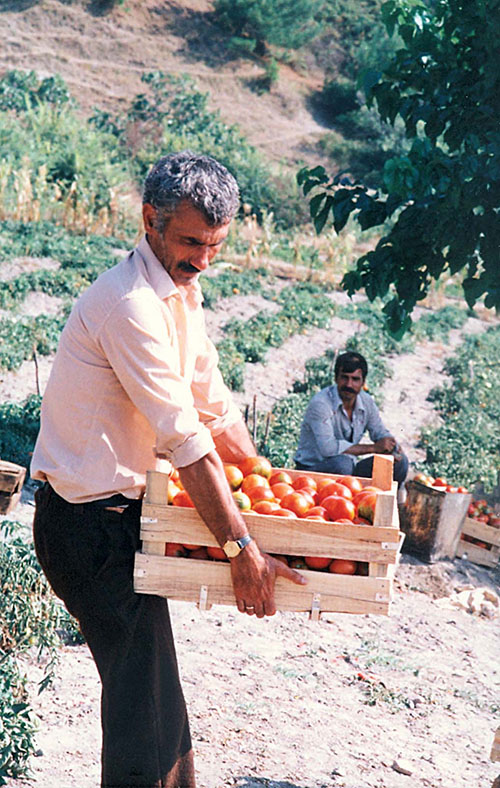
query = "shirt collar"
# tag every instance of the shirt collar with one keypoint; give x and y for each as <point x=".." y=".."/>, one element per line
<point x="161" y="281"/>
<point x="337" y="401"/>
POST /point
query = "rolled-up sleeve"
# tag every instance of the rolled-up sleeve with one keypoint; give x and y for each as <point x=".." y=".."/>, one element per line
<point x="140" y="346"/>
<point x="374" y="424"/>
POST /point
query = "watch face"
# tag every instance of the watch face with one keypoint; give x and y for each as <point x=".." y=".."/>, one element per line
<point x="231" y="549"/>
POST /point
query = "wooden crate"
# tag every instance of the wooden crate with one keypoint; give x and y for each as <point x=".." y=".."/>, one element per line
<point x="488" y="556"/>
<point x="495" y="747"/>
<point x="432" y="521"/>
<point x="209" y="582"/>
<point x="11" y="484"/>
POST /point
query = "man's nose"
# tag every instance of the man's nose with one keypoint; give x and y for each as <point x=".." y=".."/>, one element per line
<point x="201" y="258"/>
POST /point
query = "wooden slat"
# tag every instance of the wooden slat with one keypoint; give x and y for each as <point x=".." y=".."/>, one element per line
<point x="383" y="471"/>
<point x="478" y="555"/>
<point x="286" y="536"/>
<point x="483" y="531"/>
<point x="495" y="748"/>
<point x="182" y="578"/>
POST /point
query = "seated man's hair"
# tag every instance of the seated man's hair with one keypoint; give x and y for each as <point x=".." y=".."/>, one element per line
<point x="200" y="179"/>
<point x="349" y="362"/>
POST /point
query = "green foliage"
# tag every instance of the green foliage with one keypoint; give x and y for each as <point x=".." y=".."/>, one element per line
<point x="20" y="337"/>
<point x="436" y="326"/>
<point x="284" y="23"/>
<point x="19" y="427"/>
<point x="304" y="306"/>
<point x="20" y="90"/>
<point x="233" y="282"/>
<point x="30" y="617"/>
<point x="466" y="447"/>
<point x="442" y="197"/>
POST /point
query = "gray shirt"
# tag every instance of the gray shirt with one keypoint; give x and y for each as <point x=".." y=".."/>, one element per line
<point x="327" y="430"/>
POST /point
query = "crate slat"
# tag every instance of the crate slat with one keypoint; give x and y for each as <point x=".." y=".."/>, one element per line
<point x="475" y="553"/>
<point x="182" y="579"/>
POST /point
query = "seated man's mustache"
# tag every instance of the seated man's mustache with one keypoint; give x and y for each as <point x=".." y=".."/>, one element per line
<point x="348" y="389"/>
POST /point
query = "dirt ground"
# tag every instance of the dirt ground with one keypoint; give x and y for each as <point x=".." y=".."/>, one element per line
<point x="354" y="701"/>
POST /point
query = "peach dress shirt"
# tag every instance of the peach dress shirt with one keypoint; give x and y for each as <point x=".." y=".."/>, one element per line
<point x="134" y="382"/>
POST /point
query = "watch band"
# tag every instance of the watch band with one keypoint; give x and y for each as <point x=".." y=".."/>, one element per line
<point x="232" y="548"/>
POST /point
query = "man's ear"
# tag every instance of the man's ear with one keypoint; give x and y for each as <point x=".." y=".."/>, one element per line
<point x="149" y="217"/>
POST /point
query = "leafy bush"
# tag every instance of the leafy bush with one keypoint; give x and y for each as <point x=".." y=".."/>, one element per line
<point x="19" y="427"/>
<point x="232" y="282"/>
<point x="466" y="446"/>
<point x="30" y="617"/>
<point x="20" y="90"/>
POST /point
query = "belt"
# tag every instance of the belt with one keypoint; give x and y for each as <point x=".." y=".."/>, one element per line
<point x="116" y="503"/>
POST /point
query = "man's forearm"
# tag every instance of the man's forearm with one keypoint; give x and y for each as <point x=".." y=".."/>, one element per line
<point x="235" y="443"/>
<point x="358" y="449"/>
<point x="206" y="483"/>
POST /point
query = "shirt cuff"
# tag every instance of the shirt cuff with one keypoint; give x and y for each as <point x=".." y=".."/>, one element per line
<point x="192" y="449"/>
<point x="232" y="416"/>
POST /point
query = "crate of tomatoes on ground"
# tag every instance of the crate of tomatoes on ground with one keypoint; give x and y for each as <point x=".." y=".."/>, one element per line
<point x="433" y="516"/>
<point x="341" y="532"/>
<point x="480" y="538"/>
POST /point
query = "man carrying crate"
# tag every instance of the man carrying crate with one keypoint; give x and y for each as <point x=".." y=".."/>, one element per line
<point x="134" y="382"/>
<point x="335" y="421"/>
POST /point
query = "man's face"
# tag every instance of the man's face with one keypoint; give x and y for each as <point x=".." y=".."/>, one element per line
<point x="187" y="245"/>
<point x="349" y="384"/>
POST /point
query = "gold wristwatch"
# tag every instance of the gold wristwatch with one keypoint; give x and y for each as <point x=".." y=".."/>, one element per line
<point x="234" y="548"/>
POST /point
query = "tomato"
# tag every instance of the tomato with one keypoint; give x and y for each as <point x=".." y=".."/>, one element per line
<point x="483" y="518"/>
<point x="183" y="499"/>
<point x="233" y="475"/>
<point x="281" y="558"/>
<point x="439" y="482"/>
<point x="280" y="489"/>
<point x="366" y="506"/>
<point x="368" y="489"/>
<point x="174" y="475"/>
<point x="495" y="521"/>
<point x="352" y="482"/>
<point x="260" y="465"/>
<point x="306" y="482"/>
<point x="253" y="480"/>
<point x="309" y="495"/>
<point x="342" y="566"/>
<point x="284" y="513"/>
<point x="200" y="553"/>
<point x="361" y="521"/>
<point x="260" y="494"/>
<point x="242" y="500"/>
<point x="317" y="511"/>
<point x="280" y="476"/>
<point x="174" y="549"/>
<point x="297" y="563"/>
<point x="317" y="562"/>
<point x="297" y="503"/>
<point x="335" y="488"/>
<point x="323" y="481"/>
<point x="472" y="509"/>
<point x="191" y="546"/>
<point x="451" y="489"/>
<point x="339" y="507"/>
<point x="462" y="490"/>
<point x="217" y="553"/>
<point x="265" y="507"/>
<point x="172" y="490"/>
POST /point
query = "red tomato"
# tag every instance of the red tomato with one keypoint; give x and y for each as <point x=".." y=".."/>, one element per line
<point x="342" y="566"/>
<point x="339" y="507"/>
<point x="366" y="506"/>
<point x="368" y="489"/>
<point x="335" y="488"/>
<point x="278" y="477"/>
<point x="284" y="513"/>
<point x="191" y="546"/>
<point x="265" y="507"/>
<point x="253" y="480"/>
<point x="297" y="503"/>
<point x="280" y="489"/>
<point x="242" y="500"/>
<point x="260" y="465"/>
<point x="307" y="482"/>
<point x="217" y="553"/>
<point x="174" y="549"/>
<point x="183" y="499"/>
<point x="233" y="475"/>
<point x="297" y="563"/>
<point x="352" y="482"/>
<point x="439" y="482"/>
<point x="318" y="511"/>
<point x="200" y="553"/>
<point x="361" y="521"/>
<point x="317" y="562"/>
<point x="260" y="494"/>
<point x="462" y="489"/>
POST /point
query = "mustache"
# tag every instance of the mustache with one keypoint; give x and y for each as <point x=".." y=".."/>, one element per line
<point x="188" y="267"/>
<point x="348" y="390"/>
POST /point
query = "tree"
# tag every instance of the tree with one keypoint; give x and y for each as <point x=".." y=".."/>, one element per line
<point x="285" y="23"/>
<point x="438" y="205"/>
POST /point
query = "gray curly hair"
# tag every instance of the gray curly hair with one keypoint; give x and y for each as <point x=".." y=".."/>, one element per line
<point x="201" y="179"/>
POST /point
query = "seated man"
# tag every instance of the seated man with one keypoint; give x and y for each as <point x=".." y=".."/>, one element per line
<point x="335" y="421"/>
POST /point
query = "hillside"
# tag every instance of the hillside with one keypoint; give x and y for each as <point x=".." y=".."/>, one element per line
<point x="102" y="57"/>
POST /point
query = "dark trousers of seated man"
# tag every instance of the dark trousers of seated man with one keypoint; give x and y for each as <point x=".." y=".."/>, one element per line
<point x="87" y="554"/>
<point x="349" y="465"/>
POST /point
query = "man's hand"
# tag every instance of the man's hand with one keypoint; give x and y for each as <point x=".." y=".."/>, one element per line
<point x="254" y="575"/>
<point x="385" y="445"/>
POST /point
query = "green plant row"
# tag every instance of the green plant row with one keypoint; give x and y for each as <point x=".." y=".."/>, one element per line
<point x="303" y="306"/>
<point x="466" y="446"/>
<point x="21" y="338"/>
<point x="30" y="618"/>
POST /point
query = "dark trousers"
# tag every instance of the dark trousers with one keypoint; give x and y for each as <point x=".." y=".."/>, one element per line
<point x="87" y="554"/>
<point x="348" y="465"/>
